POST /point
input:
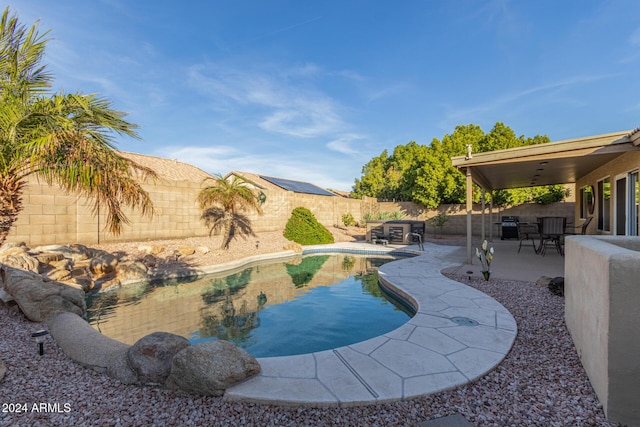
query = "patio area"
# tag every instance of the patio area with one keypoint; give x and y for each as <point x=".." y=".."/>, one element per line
<point x="508" y="264"/>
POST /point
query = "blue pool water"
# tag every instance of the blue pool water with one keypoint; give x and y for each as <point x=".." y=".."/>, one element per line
<point x="300" y="305"/>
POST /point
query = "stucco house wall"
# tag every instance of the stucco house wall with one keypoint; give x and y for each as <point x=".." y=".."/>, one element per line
<point x="623" y="164"/>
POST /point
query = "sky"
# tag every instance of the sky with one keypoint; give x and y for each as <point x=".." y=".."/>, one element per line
<point x="313" y="90"/>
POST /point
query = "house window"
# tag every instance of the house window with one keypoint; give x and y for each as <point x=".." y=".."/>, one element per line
<point x="604" y="204"/>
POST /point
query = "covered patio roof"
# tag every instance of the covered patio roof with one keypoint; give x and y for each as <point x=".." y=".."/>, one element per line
<point x="560" y="162"/>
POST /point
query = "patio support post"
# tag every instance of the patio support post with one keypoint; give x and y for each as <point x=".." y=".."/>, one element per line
<point x="491" y="217"/>
<point x="483" y="217"/>
<point x="469" y="210"/>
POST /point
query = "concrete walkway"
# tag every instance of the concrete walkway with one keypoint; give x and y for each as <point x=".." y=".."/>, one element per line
<point x="457" y="335"/>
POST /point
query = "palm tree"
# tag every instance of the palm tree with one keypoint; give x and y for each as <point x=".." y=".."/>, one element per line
<point x="66" y="139"/>
<point x="223" y="204"/>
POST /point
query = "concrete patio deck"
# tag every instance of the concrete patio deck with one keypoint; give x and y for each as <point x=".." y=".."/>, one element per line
<point x="457" y="335"/>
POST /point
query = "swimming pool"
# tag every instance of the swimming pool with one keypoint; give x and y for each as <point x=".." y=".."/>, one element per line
<point x="300" y="305"/>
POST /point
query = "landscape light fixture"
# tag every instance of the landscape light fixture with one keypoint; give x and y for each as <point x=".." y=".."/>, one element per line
<point x="40" y="336"/>
<point x="469" y="273"/>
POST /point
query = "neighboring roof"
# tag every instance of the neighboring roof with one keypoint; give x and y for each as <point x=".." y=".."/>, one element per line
<point x="634" y="136"/>
<point x="345" y="194"/>
<point x="272" y="183"/>
<point x="297" y="186"/>
<point x="169" y="169"/>
<point x="558" y="162"/>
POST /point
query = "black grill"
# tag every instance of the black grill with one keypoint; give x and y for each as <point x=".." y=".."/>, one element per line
<point x="509" y="227"/>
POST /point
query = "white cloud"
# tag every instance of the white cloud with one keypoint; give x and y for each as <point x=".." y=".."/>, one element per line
<point x="343" y="144"/>
<point x="286" y="106"/>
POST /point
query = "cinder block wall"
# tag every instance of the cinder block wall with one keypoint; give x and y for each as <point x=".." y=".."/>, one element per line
<point x="52" y="217"/>
<point x="601" y="312"/>
<point x="457" y="222"/>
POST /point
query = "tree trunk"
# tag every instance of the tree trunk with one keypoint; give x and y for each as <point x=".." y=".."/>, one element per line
<point x="10" y="204"/>
<point x="228" y="232"/>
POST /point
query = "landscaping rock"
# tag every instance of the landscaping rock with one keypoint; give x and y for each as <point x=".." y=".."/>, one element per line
<point x="59" y="275"/>
<point x="103" y="263"/>
<point x="149" y="261"/>
<point x="49" y="257"/>
<point x="81" y="282"/>
<point x="132" y="270"/>
<point x="83" y="344"/>
<point x="3" y="369"/>
<point x="209" y="368"/>
<point x="151" y="249"/>
<point x="556" y="286"/>
<point x="186" y="250"/>
<point x="73" y="252"/>
<point x="150" y="357"/>
<point x="203" y="250"/>
<point x="543" y="281"/>
<point x="38" y="299"/>
<point x="293" y="246"/>
<point x="16" y="255"/>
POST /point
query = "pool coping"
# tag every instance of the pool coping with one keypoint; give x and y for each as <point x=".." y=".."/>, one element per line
<point x="428" y="354"/>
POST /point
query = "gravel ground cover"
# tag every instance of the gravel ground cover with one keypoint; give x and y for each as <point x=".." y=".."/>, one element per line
<point x="540" y="383"/>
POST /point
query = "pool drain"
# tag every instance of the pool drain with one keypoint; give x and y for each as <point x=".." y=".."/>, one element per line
<point x="464" y="321"/>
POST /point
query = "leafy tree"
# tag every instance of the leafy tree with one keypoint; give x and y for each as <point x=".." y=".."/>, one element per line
<point x="223" y="204"/>
<point x="67" y="139"/>
<point x="425" y="175"/>
<point x="373" y="177"/>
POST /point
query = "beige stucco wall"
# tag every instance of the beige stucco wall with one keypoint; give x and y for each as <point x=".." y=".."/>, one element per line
<point x="602" y="314"/>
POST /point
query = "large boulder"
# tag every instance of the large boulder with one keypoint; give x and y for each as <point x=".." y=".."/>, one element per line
<point x="83" y="344"/>
<point x="39" y="299"/>
<point x="132" y="271"/>
<point x="16" y="255"/>
<point x="556" y="286"/>
<point x="151" y="356"/>
<point x="73" y="252"/>
<point x="210" y="368"/>
<point x="103" y="263"/>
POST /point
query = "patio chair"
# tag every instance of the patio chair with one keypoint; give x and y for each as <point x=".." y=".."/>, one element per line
<point x="528" y="232"/>
<point x="582" y="228"/>
<point x="552" y="232"/>
<point x="377" y="236"/>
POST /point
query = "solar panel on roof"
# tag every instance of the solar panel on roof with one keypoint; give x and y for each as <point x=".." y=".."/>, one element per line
<point x="297" y="186"/>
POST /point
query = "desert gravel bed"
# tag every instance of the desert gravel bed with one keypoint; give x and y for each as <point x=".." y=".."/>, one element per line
<point x="540" y="383"/>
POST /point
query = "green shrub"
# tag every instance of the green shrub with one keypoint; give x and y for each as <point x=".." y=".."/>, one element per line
<point x="348" y="220"/>
<point x="304" y="228"/>
<point x="302" y="273"/>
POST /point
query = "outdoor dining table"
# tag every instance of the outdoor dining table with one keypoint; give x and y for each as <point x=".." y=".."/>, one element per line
<point x="552" y="229"/>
